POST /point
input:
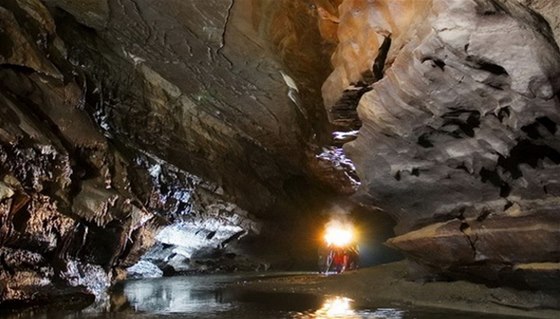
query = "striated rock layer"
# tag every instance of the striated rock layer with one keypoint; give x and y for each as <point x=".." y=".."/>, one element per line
<point x="459" y="139"/>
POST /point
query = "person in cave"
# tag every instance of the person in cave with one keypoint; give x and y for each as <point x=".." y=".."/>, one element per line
<point x="338" y="259"/>
<point x="339" y="251"/>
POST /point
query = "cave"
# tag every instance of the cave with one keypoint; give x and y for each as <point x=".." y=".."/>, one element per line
<point x="188" y="157"/>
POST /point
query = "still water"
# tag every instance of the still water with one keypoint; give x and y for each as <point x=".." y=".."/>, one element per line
<point x="212" y="297"/>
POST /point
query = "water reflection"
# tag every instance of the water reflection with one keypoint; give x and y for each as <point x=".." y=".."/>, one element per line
<point x="174" y="296"/>
<point x="210" y="297"/>
<point x="198" y="295"/>
<point x="336" y="307"/>
<point x="342" y="307"/>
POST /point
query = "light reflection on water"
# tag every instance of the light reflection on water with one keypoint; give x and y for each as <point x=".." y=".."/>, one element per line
<point x="336" y="307"/>
<point x="197" y="296"/>
<point x="342" y="307"/>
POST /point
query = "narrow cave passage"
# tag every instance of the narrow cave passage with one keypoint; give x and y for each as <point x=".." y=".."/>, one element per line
<point x="279" y="158"/>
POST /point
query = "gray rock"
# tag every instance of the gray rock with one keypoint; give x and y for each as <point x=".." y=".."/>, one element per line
<point x="463" y="126"/>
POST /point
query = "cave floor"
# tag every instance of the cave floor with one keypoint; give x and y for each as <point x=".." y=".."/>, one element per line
<point x="376" y="292"/>
<point x="386" y="286"/>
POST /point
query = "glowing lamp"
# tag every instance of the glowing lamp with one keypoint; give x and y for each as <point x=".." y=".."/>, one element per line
<point x="339" y="235"/>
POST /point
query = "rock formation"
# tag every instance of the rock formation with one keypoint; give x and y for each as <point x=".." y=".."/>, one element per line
<point x="76" y="206"/>
<point x="459" y="138"/>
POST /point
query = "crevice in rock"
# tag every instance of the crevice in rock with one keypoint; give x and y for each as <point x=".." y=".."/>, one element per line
<point x="495" y="179"/>
<point x="504" y="113"/>
<point x="343" y="113"/>
<point x="224" y="30"/>
<point x="379" y="63"/>
<point x="464" y="226"/>
<point x="527" y="152"/>
<point x="488" y="66"/>
<point x="535" y="130"/>
<point x="532" y="130"/>
<point x="424" y="141"/>
<point x="463" y="167"/>
<point x="435" y="62"/>
<point x="19" y="220"/>
<point x="466" y="121"/>
<point x="457" y="124"/>
<point x="549" y="124"/>
<point x="483" y="215"/>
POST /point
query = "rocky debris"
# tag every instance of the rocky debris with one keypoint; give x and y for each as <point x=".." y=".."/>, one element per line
<point x="459" y="139"/>
<point x="469" y="246"/>
<point x="201" y="228"/>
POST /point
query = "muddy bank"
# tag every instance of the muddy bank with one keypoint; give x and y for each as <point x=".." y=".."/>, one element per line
<point x="388" y="285"/>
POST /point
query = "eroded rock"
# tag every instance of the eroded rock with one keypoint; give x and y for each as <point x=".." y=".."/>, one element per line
<point x="462" y="127"/>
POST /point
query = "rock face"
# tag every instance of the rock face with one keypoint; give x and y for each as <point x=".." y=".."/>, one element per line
<point x="208" y="85"/>
<point x="137" y="131"/>
<point x="459" y="140"/>
<point x="550" y="10"/>
<point x="76" y="207"/>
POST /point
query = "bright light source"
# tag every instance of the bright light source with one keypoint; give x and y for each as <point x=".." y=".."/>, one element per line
<point x="339" y="234"/>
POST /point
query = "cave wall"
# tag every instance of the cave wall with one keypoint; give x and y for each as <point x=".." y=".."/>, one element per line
<point x="221" y="83"/>
<point x="550" y="10"/>
<point x="143" y="138"/>
<point x="459" y="138"/>
<point x="77" y="207"/>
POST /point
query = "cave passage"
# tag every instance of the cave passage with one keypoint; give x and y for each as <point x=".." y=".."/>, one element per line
<point x="279" y="158"/>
